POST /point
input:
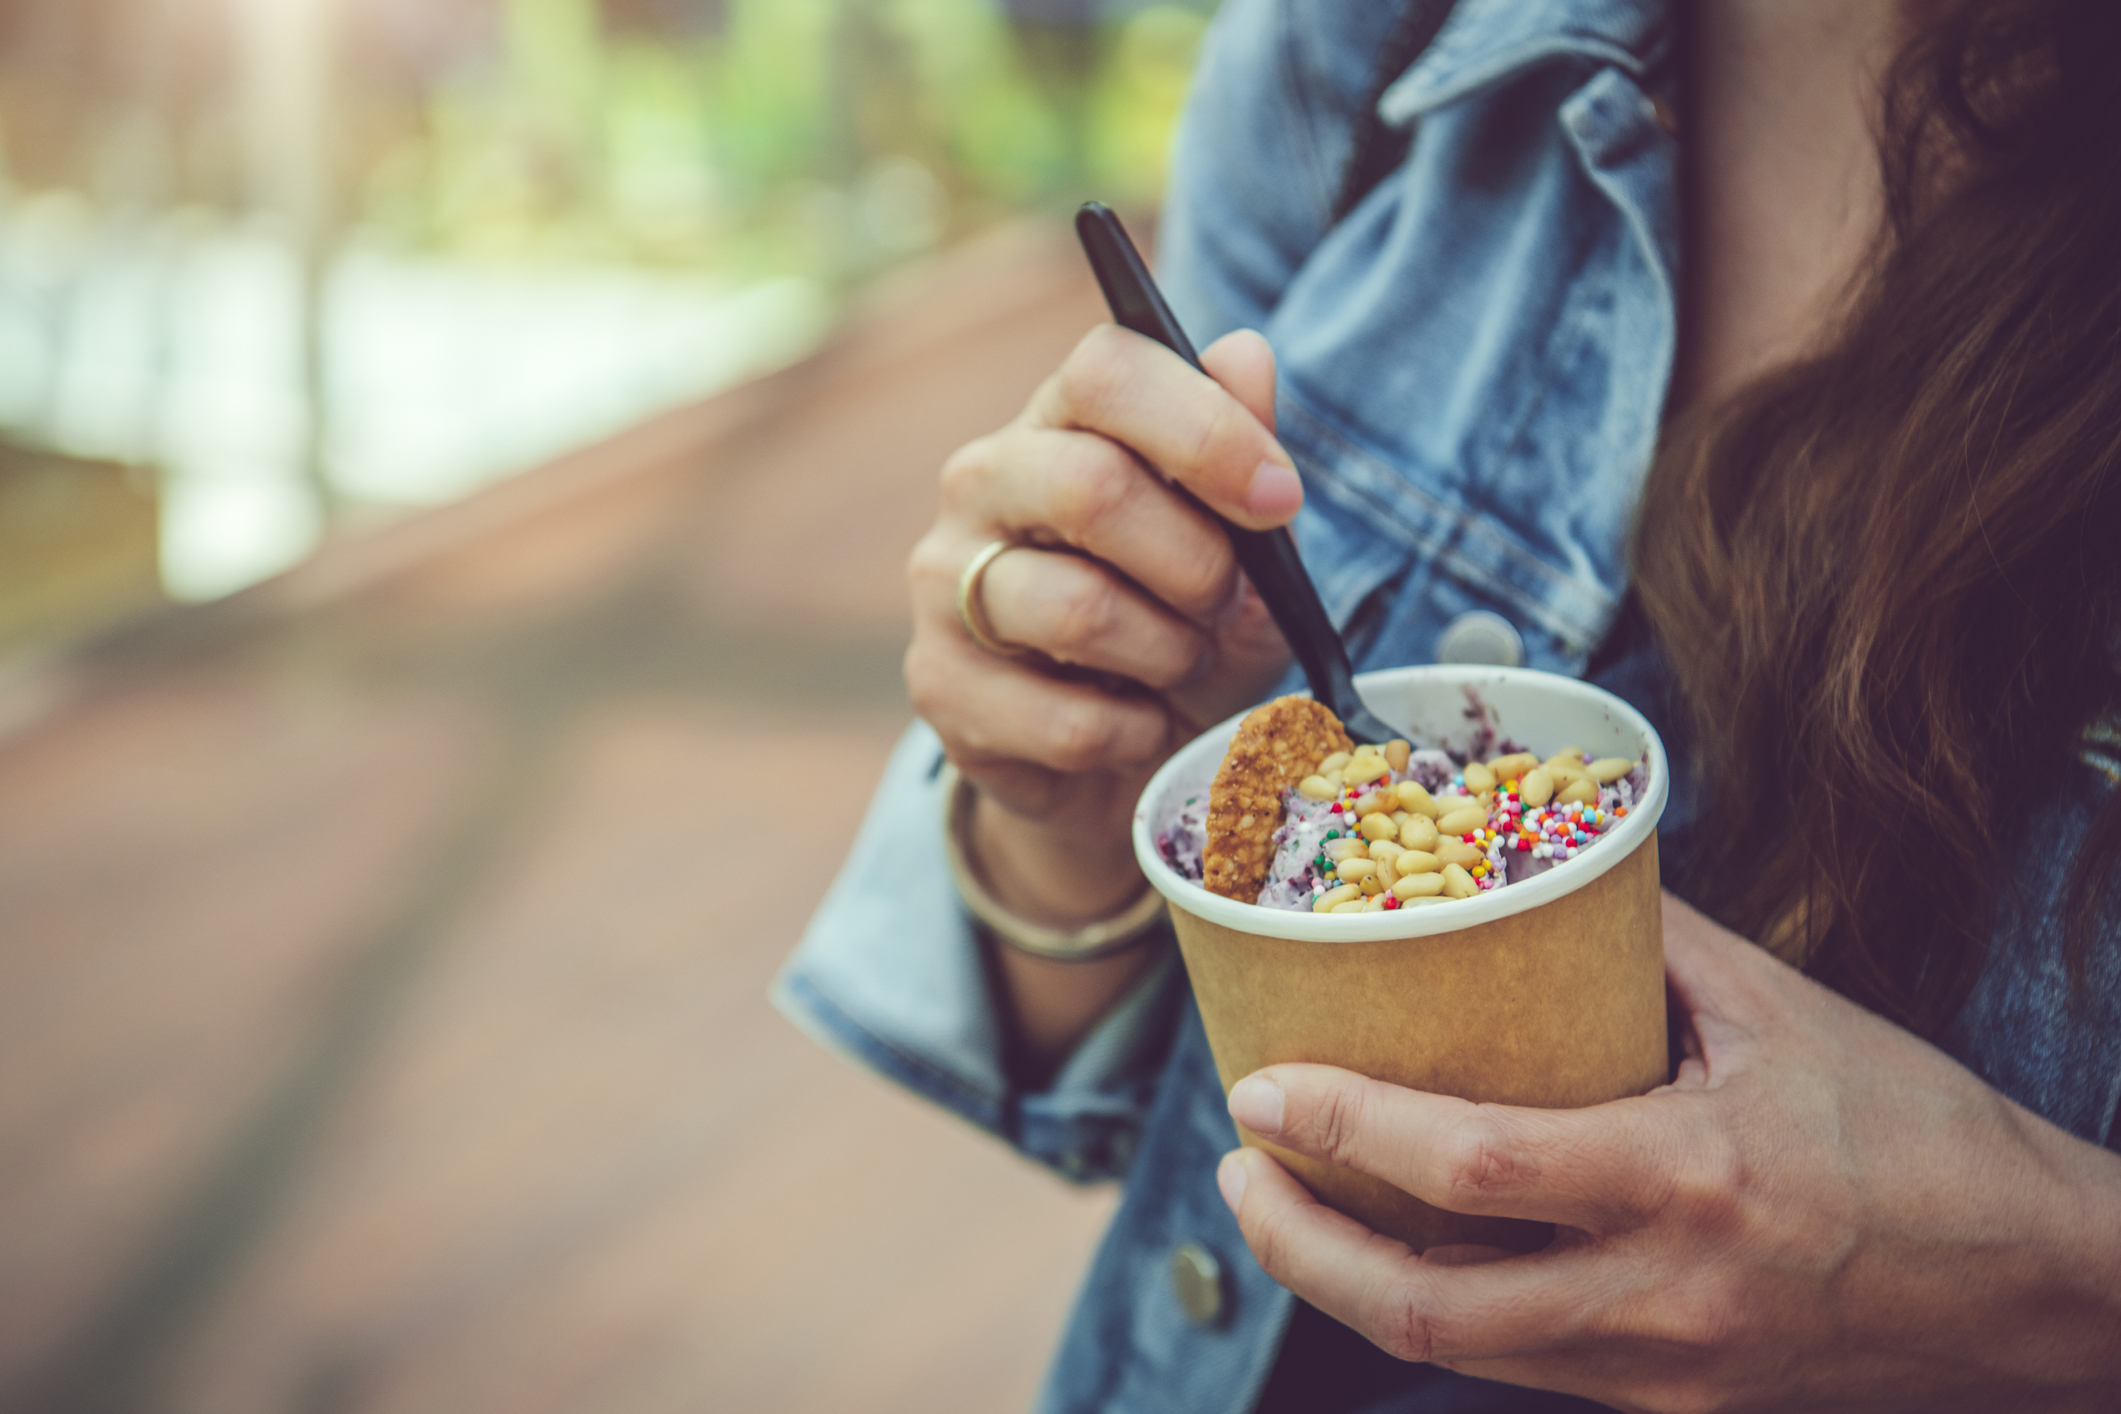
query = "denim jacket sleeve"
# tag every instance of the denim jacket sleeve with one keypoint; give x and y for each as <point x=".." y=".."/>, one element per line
<point x="890" y="973"/>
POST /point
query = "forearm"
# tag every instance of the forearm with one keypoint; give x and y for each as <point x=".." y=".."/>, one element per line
<point x="1050" y="1006"/>
<point x="2070" y="1319"/>
<point x="2002" y="1277"/>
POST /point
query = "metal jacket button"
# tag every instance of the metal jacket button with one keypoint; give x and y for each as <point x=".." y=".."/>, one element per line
<point x="1197" y="1280"/>
<point x="1481" y="637"/>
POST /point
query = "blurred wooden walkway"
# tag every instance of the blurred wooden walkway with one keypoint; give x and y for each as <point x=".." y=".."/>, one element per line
<point x="383" y="952"/>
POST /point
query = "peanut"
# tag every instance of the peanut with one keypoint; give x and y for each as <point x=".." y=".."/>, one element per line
<point x="1355" y="870"/>
<point x="1372" y="886"/>
<point x="1316" y="788"/>
<point x="1580" y="792"/>
<point x="1463" y="821"/>
<point x="1566" y="773"/>
<point x="1413" y="886"/>
<point x="1513" y="766"/>
<point x="1334" y="762"/>
<point x="1479" y="779"/>
<point x="1457" y="883"/>
<point x="1417" y="861"/>
<point x="1609" y="770"/>
<point x="1378" y="827"/>
<point x="1333" y="898"/>
<point x="1345" y="847"/>
<point x="1377" y="802"/>
<point x="1567" y="753"/>
<point x="1458" y="852"/>
<point x="1365" y="769"/>
<point x="1374" y="905"/>
<point x="1397" y="752"/>
<point x="1418" y="800"/>
<point x="1353" y="906"/>
<point x="1419" y="832"/>
<point x="1537" y="787"/>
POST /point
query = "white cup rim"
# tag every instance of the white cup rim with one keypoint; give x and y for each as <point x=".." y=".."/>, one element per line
<point x="1452" y="915"/>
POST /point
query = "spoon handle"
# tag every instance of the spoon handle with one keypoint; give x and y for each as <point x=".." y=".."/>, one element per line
<point x="1268" y="557"/>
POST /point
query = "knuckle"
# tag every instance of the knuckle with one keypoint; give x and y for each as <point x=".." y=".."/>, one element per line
<point x="1185" y="657"/>
<point x="1090" y="378"/>
<point x="1337" y="1126"/>
<point x="1094" y="492"/>
<point x="1203" y="578"/>
<point x="1708" y="1188"/>
<point x="1084" y="614"/>
<point x="1079" y="738"/>
<point x="930" y="561"/>
<point x="1409" y="1328"/>
<point x="927" y="683"/>
<point x="966" y="472"/>
<point x="1220" y="435"/>
<point x="1709" y="1323"/>
<point x="1479" y="1163"/>
<point x="1697" y="1318"/>
<point x="1271" y="1238"/>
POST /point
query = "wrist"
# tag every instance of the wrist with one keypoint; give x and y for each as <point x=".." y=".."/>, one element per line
<point x="1057" y="971"/>
<point x="1056" y="882"/>
<point x="2084" y="1242"/>
<point x="1065" y="939"/>
<point x="2062" y="1324"/>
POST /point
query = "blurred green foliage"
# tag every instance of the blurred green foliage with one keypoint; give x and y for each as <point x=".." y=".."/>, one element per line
<point x="819" y="136"/>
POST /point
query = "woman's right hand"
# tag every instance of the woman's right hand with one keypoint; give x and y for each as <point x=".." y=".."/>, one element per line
<point x="1147" y="630"/>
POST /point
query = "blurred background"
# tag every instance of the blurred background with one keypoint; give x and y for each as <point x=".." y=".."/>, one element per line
<point x="456" y="459"/>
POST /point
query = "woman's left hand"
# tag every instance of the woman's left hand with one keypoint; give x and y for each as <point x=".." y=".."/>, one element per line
<point x="1820" y="1212"/>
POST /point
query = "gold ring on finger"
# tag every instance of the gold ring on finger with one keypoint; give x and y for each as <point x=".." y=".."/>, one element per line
<point x="972" y="613"/>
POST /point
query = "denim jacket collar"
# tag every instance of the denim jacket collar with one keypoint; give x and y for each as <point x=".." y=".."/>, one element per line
<point x="1487" y="41"/>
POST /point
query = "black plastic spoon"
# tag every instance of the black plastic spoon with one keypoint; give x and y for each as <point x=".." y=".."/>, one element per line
<point x="1268" y="557"/>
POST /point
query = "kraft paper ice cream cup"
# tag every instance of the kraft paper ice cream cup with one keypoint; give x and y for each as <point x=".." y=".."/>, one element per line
<point x="1546" y="992"/>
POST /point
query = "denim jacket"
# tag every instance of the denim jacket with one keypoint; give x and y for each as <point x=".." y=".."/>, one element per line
<point x="1473" y="371"/>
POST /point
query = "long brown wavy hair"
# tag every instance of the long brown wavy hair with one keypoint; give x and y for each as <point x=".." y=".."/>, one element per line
<point x="1887" y="576"/>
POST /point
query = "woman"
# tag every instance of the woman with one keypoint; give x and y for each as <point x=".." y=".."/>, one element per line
<point x="1757" y="359"/>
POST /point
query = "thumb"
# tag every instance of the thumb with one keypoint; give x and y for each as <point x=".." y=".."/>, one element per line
<point x="1243" y="362"/>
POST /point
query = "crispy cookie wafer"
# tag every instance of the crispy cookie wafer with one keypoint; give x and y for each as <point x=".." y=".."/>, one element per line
<point x="1275" y="747"/>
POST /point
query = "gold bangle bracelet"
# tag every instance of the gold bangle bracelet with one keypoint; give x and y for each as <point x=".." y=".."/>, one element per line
<point x="1103" y="939"/>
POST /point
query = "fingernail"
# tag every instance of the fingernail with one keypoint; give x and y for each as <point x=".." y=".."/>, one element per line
<point x="1256" y="1103"/>
<point x="1230" y="1178"/>
<point x="1276" y="492"/>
